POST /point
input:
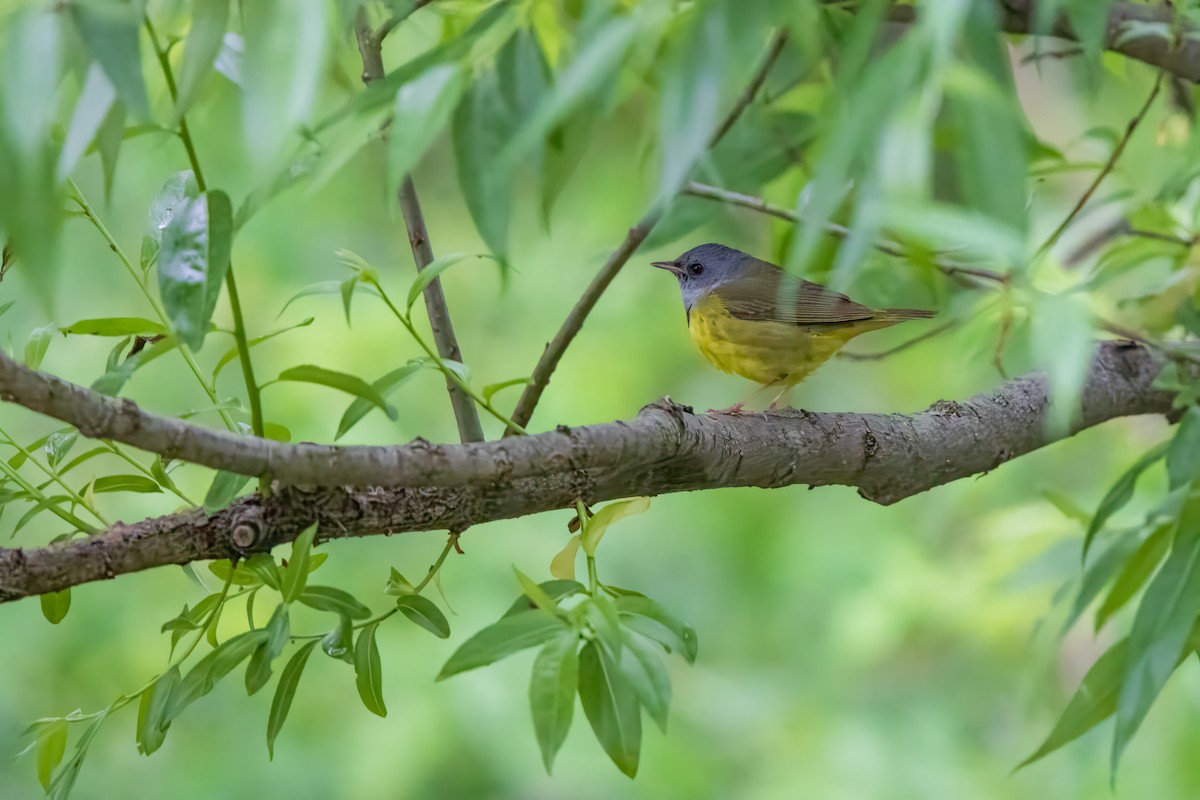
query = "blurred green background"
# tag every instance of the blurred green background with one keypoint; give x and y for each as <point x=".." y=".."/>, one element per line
<point x="846" y="650"/>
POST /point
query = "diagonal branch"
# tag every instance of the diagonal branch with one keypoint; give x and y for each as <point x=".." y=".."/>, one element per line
<point x="465" y="413"/>
<point x="540" y="378"/>
<point x="666" y="448"/>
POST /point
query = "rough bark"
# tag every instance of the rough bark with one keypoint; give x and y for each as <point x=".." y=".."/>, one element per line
<point x="666" y="448"/>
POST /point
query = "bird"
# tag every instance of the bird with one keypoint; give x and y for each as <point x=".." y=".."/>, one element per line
<point x="752" y="318"/>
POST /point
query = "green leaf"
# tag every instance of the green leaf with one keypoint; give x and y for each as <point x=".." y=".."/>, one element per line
<point x="398" y="585"/>
<point x="239" y="576"/>
<point x="328" y="598"/>
<point x="116" y="376"/>
<point x="482" y="124"/>
<point x="82" y="458"/>
<point x="55" y="605"/>
<point x="1161" y="628"/>
<point x="562" y="566"/>
<point x="492" y="388"/>
<point x="501" y="639"/>
<point x="1099" y="570"/>
<point x="643" y="615"/>
<point x="339" y="642"/>
<point x="594" y="528"/>
<point x="37" y="345"/>
<point x="95" y="100"/>
<point x="200" y="49"/>
<point x="125" y="483"/>
<point x="58" y="445"/>
<point x="536" y="594"/>
<point x="1136" y="571"/>
<point x="295" y="574"/>
<point x="368" y="671"/>
<point x="151" y="723"/>
<point x="1121" y="493"/>
<point x="281" y="703"/>
<point x="64" y="780"/>
<point x="611" y="706"/>
<point x="350" y="384"/>
<point x="430" y="273"/>
<point x="115" y="326"/>
<point x="1093" y="702"/>
<point x="647" y="674"/>
<point x="422" y="109"/>
<point x="258" y="671"/>
<point x="51" y="745"/>
<point x="326" y="287"/>
<point x="384" y="386"/>
<point x="552" y="693"/>
<point x="110" y="33"/>
<point x="192" y="263"/>
<point x="1183" y="453"/>
<point x="224" y="488"/>
<point x="556" y="589"/>
<point x="263" y="565"/>
<point x="211" y="669"/>
<point x="232" y="352"/>
<point x="108" y="144"/>
<point x="425" y="613"/>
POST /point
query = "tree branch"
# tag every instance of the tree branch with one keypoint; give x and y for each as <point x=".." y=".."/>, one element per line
<point x="466" y="415"/>
<point x="666" y="448"/>
<point x="540" y="378"/>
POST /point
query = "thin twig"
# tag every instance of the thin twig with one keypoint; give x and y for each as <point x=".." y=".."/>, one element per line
<point x="466" y="415"/>
<point x="929" y="334"/>
<point x="391" y="22"/>
<point x="948" y="267"/>
<point x="540" y="378"/>
<point x="1106" y="169"/>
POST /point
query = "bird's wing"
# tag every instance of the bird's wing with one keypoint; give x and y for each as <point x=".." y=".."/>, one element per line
<point x="764" y="292"/>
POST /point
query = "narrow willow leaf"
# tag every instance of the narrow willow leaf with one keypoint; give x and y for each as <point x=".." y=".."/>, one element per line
<point x="482" y="124"/>
<point x="552" y="693"/>
<point x="384" y="386"/>
<point x="108" y="143"/>
<point x="328" y="598"/>
<point x="258" y="671"/>
<point x="594" y="529"/>
<point x="368" y="671"/>
<point x="425" y="613"/>
<point x="295" y="574"/>
<point x="430" y="273"/>
<point x="350" y="384"/>
<point x="232" y="352"/>
<point x="325" y="287"/>
<point x="151" y="723"/>
<point x="110" y="33"/>
<point x="511" y="634"/>
<point x="55" y="606"/>
<point x="1136" y="571"/>
<point x="536" y="594"/>
<point x="1121" y="493"/>
<point x="1099" y="571"/>
<point x="647" y="674"/>
<point x="115" y="377"/>
<point x="263" y="565"/>
<point x="422" y="109"/>
<point x="210" y="670"/>
<point x="125" y="483"/>
<point x="562" y="566"/>
<point x="241" y="575"/>
<point x="82" y="458"/>
<point x="37" y="344"/>
<point x="281" y="703"/>
<point x="58" y="445"/>
<point x="690" y="95"/>
<point x="200" y="49"/>
<point x="398" y="585"/>
<point x="557" y="589"/>
<point x="339" y="642"/>
<point x="115" y="326"/>
<point x="611" y="707"/>
<point x="492" y="388"/>
<point x="193" y="262"/>
<point x="1183" y="453"/>
<point x="1161" y="628"/>
<point x="64" y="780"/>
<point x="643" y="615"/>
<point x="51" y="746"/>
<point x="95" y="100"/>
<point x="223" y="490"/>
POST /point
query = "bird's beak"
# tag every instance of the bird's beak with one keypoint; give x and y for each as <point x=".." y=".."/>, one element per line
<point x="670" y="266"/>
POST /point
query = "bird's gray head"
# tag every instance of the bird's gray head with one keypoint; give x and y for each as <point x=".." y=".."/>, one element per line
<point x="704" y="268"/>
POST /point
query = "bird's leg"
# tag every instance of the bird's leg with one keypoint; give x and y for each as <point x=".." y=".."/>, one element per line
<point x="775" y="402"/>
<point x="738" y="408"/>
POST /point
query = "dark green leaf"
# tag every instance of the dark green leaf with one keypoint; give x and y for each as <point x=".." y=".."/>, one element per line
<point x="295" y="574"/>
<point x="281" y="703"/>
<point x="690" y="94"/>
<point x="339" y="642"/>
<point x="552" y="693"/>
<point x="643" y="615"/>
<point x="114" y="378"/>
<point x="55" y="605"/>
<point x="224" y="488"/>
<point x="1099" y="570"/>
<point x="110" y="32"/>
<point x="482" y="124"/>
<point x="151" y="723"/>
<point x="211" y="669"/>
<point x="421" y="111"/>
<point x="327" y="598"/>
<point x="351" y="384"/>
<point x="125" y="483"/>
<point x="1136" y="571"/>
<point x="1121" y="493"/>
<point x="384" y="386"/>
<point x="611" y="707"/>
<point x="192" y="263"/>
<point x="1183" y="453"/>
<point x="263" y="565"/>
<point x="258" y="671"/>
<point x="501" y="639"/>
<point x="115" y="326"/>
<point x="200" y="48"/>
<point x="425" y="613"/>
<point x="557" y="590"/>
<point x="241" y="576"/>
<point x="368" y="671"/>
<point x="642" y="665"/>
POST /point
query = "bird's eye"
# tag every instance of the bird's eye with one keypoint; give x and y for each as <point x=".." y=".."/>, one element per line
<point x="695" y="269"/>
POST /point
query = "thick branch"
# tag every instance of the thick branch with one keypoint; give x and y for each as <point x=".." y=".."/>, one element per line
<point x="666" y="448"/>
<point x="540" y="378"/>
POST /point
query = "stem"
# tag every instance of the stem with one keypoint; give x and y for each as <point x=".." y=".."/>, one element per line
<point x="593" y="583"/>
<point x="142" y="469"/>
<point x="34" y="492"/>
<point x="239" y="325"/>
<point x="54" y="476"/>
<point x="140" y="280"/>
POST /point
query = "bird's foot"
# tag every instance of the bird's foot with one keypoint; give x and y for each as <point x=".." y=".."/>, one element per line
<point x="735" y="410"/>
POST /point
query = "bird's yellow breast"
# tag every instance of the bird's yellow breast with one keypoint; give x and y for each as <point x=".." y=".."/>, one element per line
<point x="763" y="351"/>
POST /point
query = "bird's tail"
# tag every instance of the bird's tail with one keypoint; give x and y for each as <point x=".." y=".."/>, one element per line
<point x="899" y="314"/>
